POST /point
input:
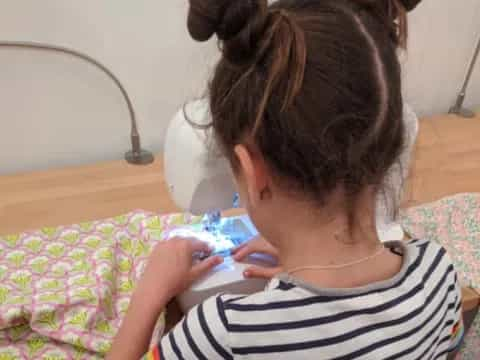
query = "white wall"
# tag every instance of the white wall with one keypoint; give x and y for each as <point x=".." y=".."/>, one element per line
<point x="56" y="111"/>
<point x="443" y="34"/>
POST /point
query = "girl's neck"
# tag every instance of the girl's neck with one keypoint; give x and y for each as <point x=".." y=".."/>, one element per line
<point x="305" y="238"/>
<point x="328" y="245"/>
<point x="326" y="238"/>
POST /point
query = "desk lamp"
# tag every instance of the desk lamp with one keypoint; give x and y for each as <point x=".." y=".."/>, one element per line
<point x="458" y="108"/>
<point x="136" y="156"/>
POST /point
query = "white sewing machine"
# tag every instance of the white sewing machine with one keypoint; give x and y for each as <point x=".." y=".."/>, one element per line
<point x="200" y="181"/>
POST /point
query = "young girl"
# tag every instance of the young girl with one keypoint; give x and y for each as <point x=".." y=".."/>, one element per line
<point x="306" y="103"/>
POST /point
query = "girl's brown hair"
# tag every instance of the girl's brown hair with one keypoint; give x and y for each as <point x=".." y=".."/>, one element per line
<point x="313" y="85"/>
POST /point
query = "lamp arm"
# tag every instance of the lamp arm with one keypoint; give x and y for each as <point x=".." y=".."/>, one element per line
<point x="458" y="107"/>
<point x="136" y="155"/>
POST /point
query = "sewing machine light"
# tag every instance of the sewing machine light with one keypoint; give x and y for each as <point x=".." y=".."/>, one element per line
<point x="228" y="276"/>
<point x="223" y="238"/>
<point x="219" y="243"/>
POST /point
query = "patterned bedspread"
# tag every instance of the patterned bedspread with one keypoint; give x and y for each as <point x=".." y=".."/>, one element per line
<point x="454" y="222"/>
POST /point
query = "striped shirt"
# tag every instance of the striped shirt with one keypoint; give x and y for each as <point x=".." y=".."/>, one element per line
<point x="414" y="315"/>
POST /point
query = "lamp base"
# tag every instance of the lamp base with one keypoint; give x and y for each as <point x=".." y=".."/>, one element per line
<point x="139" y="158"/>
<point x="462" y="112"/>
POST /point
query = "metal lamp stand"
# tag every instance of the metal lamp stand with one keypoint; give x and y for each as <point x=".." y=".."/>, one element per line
<point x="458" y="108"/>
<point x="136" y="155"/>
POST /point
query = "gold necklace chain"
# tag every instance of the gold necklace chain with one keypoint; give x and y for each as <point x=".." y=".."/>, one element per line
<point x="336" y="267"/>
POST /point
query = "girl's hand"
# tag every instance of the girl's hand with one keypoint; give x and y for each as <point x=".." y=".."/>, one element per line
<point x="257" y="245"/>
<point x="172" y="268"/>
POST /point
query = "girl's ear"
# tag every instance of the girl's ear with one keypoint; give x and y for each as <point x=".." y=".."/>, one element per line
<point x="254" y="172"/>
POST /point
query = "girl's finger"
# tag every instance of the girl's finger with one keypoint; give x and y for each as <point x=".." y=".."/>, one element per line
<point x="257" y="243"/>
<point x="197" y="245"/>
<point x="257" y="272"/>
<point x="242" y="252"/>
<point x="203" y="267"/>
<point x="239" y="247"/>
<point x="255" y="246"/>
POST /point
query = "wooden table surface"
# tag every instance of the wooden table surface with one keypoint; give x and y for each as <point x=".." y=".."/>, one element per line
<point x="447" y="161"/>
<point x="72" y="195"/>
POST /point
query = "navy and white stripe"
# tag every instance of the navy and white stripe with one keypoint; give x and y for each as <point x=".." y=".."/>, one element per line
<point x="410" y="316"/>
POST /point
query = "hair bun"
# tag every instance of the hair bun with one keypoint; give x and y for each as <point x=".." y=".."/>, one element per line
<point x="226" y="18"/>
<point x="410" y="4"/>
<point x="393" y="15"/>
<point x="203" y="18"/>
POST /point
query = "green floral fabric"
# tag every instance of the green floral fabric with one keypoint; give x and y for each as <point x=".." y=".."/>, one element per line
<point x="64" y="291"/>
